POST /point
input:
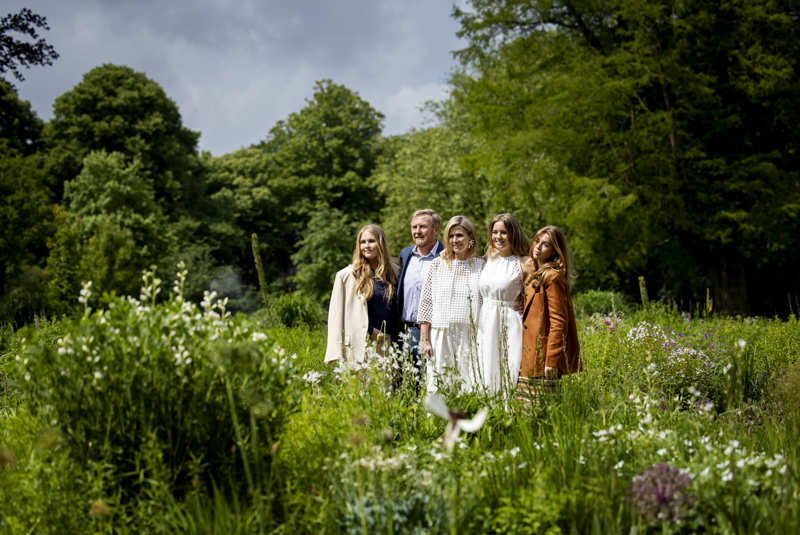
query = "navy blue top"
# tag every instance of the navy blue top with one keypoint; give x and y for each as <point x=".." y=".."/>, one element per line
<point x="379" y="310"/>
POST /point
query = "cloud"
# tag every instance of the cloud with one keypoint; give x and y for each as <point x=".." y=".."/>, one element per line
<point x="236" y="68"/>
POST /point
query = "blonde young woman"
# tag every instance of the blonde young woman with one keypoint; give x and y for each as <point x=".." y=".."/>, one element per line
<point x="449" y="306"/>
<point x="550" y="337"/>
<point x="363" y="300"/>
<point x="501" y="286"/>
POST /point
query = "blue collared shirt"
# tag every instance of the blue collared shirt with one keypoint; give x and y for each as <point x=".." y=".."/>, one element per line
<point x="412" y="283"/>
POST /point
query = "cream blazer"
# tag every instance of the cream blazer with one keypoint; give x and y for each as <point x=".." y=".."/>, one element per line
<point x="348" y="320"/>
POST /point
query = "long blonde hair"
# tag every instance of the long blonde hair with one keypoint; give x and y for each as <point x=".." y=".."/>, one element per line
<point x="362" y="270"/>
<point x="562" y="258"/>
<point x="466" y="224"/>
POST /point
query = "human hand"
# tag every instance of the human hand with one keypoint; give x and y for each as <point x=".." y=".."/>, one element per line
<point x="426" y="348"/>
<point x="518" y="305"/>
<point x="550" y="373"/>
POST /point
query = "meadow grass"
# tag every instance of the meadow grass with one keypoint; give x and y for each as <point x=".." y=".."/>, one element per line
<point x="677" y="424"/>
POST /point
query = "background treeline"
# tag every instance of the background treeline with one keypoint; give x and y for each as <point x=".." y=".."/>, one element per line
<point x="662" y="136"/>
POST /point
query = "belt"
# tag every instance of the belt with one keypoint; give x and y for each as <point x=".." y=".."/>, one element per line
<point x="506" y="302"/>
<point x="411" y="324"/>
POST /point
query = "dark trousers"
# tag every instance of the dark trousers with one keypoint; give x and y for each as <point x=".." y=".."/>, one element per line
<point x="410" y="348"/>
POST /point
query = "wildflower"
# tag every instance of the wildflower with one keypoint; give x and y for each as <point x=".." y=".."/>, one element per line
<point x="86" y="293"/>
<point x="661" y="494"/>
<point x="312" y="377"/>
<point x="741" y="343"/>
<point x="619" y="465"/>
<point x="456" y="421"/>
<point x="662" y="452"/>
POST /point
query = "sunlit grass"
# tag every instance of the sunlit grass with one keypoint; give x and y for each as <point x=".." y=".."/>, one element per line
<point x="706" y="405"/>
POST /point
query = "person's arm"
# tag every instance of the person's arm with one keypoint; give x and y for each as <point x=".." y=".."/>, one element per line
<point x="425" y="312"/>
<point x="557" y="298"/>
<point x="425" y="339"/>
<point x="333" y="351"/>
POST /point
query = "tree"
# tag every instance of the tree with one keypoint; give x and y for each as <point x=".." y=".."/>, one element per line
<point x="318" y="160"/>
<point x="326" y="152"/>
<point x="20" y="128"/>
<point x="677" y="123"/>
<point x="427" y="169"/>
<point x="121" y="228"/>
<point x="25" y="222"/>
<point x="324" y="251"/>
<point x="15" y="53"/>
<point x="117" y="109"/>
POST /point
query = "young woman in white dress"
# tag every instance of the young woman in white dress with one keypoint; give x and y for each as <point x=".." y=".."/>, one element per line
<point x="449" y="307"/>
<point x="501" y="286"/>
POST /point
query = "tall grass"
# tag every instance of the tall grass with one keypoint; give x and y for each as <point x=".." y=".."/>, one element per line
<point x="677" y="424"/>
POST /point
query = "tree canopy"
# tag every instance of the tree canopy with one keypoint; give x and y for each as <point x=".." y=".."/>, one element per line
<point x="16" y="53"/>
<point x="117" y="109"/>
<point x="680" y="119"/>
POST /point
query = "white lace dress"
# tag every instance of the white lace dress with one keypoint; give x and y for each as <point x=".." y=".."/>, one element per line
<point x="451" y="303"/>
<point x="499" y="325"/>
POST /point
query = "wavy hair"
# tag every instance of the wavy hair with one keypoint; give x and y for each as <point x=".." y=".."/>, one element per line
<point x="516" y="236"/>
<point x="561" y="260"/>
<point x="466" y="224"/>
<point x="363" y="271"/>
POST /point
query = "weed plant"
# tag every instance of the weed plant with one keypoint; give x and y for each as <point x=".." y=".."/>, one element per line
<point x="677" y="424"/>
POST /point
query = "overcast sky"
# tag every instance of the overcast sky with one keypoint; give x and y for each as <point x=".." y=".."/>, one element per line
<point x="237" y="67"/>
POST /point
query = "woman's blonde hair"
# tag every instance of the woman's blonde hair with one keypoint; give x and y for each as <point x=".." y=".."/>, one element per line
<point x="516" y="236"/>
<point x="466" y="224"/>
<point x="362" y="270"/>
<point x="562" y="258"/>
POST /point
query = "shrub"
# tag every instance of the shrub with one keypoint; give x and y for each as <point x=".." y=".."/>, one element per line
<point x="602" y="302"/>
<point x="293" y="309"/>
<point x="170" y="393"/>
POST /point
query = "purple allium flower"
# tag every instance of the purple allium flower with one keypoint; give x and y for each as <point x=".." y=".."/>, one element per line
<point x="661" y="494"/>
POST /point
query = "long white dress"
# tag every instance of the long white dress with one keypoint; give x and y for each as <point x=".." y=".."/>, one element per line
<point x="499" y="325"/>
<point x="451" y="303"/>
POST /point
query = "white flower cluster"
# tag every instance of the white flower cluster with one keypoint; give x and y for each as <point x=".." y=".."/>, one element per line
<point x="645" y="332"/>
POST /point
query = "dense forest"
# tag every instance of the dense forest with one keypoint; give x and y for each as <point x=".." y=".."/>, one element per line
<point x="662" y="136"/>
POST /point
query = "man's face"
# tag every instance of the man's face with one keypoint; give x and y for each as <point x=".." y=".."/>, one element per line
<point x="423" y="231"/>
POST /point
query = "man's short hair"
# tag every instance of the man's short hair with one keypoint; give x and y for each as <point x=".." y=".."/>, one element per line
<point x="435" y="218"/>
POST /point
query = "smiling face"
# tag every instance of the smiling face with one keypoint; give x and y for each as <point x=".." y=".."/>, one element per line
<point x="368" y="245"/>
<point x="543" y="249"/>
<point x="423" y="232"/>
<point x="459" y="242"/>
<point x="500" y="239"/>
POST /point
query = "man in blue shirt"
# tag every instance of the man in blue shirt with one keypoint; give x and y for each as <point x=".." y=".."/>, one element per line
<point x="414" y="262"/>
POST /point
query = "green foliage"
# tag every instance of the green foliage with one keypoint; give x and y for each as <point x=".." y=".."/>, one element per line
<point x="707" y="399"/>
<point x="424" y="170"/>
<point x="638" y="115"/>
<point x="326" y="248"/>
<point x="294" y="309"/>
<point x="63" y="263"/>
<point x="15" y="53"/>
<point x="20" y="128"/>
<point x="326" y="151"/>
<point x="167" y="394"/>
<point x="116" y="109"/>
<point x="602" y="302"/>
<point x="43" y="490"/>
<point x="26" y="219"/>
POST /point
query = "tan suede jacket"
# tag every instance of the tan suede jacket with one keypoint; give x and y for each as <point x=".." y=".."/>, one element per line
<point x="550" y="334"/>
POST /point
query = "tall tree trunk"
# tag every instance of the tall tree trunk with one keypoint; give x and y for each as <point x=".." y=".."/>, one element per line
<point x="730" y="286"/>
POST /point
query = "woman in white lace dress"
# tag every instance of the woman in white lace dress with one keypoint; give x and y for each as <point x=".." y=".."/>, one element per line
<point x="449" y="308"/>
<point x="501" y="286"/>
